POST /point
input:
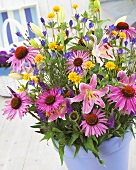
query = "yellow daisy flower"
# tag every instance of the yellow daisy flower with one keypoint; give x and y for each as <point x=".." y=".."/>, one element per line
<point x="72" y="76"/>
<point x="114" y="33"/>
<point x="122" y="35"/>
<point x="75" y="6"/>
<point x="26" y="76"/>
<point x="56" y="8"/>
<point x="38" y="58"/>
<point x="88" y="65"/>
<point x="52" y="45"/>
<point x="20" y="89"/>
<point x="77" y="79"/>
<point x="110" y="65"/>
<point x="35" y="79"/>
<point x="51" y="15"/>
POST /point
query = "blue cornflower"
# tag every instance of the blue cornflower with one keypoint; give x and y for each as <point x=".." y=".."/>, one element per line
<point x="91" y="25"/>
<point x="84" y="20"/>
<point x="120" y="51"/>
<point x="77" y="16"/>
<point x="70" y="23"/>
<point x="111" y="27"/>
<point x="53" y="54"/>
<point x="133" y="41"/>
<point x="105" y="40"/>
<point x="31" y="82"/>
<point x="43" y="43"/>
<point x="42" y="20"/>
<point x="36" y="72"/>
<point x="86" y="38"/>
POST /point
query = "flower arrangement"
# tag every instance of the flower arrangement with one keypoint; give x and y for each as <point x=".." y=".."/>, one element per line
<point x="79" y="79"/>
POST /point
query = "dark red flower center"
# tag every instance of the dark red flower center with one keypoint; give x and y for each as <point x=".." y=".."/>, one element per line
<point x="78" y="62"/>
<point x="128" y="91"/>
<point x="21" y="52"/>
<point x="122" y="26"/>
<point x="91" y="119"/>
<point x="50" y="100"/>
<point x="81" y="42"/>
<point x="16" y="103"/>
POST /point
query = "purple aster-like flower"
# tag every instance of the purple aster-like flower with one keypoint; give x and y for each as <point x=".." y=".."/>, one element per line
<point x="77" y="61"/>
<point x="94" y="123"/>
<point x="4" y="56"/>
<point x="120" y="51"/>
<point x="50" y="100"/>
<point x="68" y="55"/>
<point x="41" y="115"/>
<point x="17" y="105"/>
<point x="43" y="43"/>
<point x="21" y="55"/>
<point x="126" y="43"/>
<point x="44" y="33"/>
<point x="36" y="72"/>
<point x="112" y="27"/>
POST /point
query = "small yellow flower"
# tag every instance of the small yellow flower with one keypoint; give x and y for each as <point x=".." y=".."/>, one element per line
<point x="114" y="33"/>
<point x="107" y="75"/>
<point x="110" y="65"/>
<point x="20" y="89"/>
<point x="52" y="45"/>
<point x="88" y="65"/>
<point x="51" y="15"/>
<point x="96" y="9"/>
<point x="77" y="79"/>
<point x="47" y="114"/>
<point x="35" y="79"/>
<point x="59" y="47"/>
<point x="38" y="58"/>
<point x="75" y="6"/>
<point x="26" y="76"/>
<point x="56" y="8"/>
<point x="122" y="35"/>
<point x="72" y="76"/>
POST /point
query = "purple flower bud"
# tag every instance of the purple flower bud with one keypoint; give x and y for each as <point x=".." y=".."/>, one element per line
<point x="120" y="51"/>
<point x="90" y="25"/>
<point x="36" y="72"/>
<point x="41" y="114"/>
<point x="67" y="33"/>
<point x="69" y="107"/>
<point x="84" y="20"/>
<point x="70" y="23"/>
<point x="18" y="34"/>
<point x="111" y="121"/>
<point x="42" y="20"/>
<point x="43" y="43"/>
<point x="105" y="40"/>
<point x="44" y="33"/>
<point x="60" y="90"/>
<point x="43" y="85"/>
<point x="77" y="16"/>
<point x="86" y="38"/>
<point x="31" y="82"/>
<point x="126" y="43"/>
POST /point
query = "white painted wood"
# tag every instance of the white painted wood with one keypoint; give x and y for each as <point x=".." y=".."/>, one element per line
<point x="8" y="4"/>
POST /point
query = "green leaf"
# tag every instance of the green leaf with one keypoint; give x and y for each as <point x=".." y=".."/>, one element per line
<point x="73" y="138"/>
<point x="77" y="150"/>
<point x="56" y="130"/>
<point x="61" y="152"/>
<point x="99" y="34"/>
<point x="47" y="136"/>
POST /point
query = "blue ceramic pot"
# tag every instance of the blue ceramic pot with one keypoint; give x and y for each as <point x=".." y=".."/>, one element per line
<point x="4" y="71"/>
<point x="114" y="152"/>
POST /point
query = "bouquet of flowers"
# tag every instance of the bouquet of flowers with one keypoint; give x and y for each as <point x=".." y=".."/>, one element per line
<point x="79" y="79"/>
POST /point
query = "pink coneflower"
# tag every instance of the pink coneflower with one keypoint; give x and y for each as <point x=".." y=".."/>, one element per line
<point x="77" y="61"/>
<point x="125" y="96"/>
<point x="49" y="101"/>
<point x="17" y="105"/>
<point x="22" y="55"/>
<point x="124" y="27"/>
<point x="94" y="123"/>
